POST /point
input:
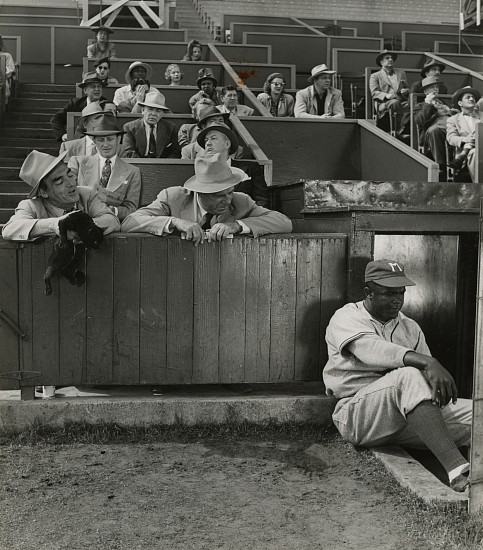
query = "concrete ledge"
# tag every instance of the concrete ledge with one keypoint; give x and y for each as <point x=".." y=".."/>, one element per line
<point x="145" y="410"/>
<point x="413" y="476"/>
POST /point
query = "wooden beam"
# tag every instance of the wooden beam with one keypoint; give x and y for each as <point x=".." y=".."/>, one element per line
<point x="476" y="458"/>
<point x="151" y="13"/>
<point x="479" y="153"/>
<point x="112" y="17"/>
<point x="139" y="17"/>
<point x="119" y="4"/>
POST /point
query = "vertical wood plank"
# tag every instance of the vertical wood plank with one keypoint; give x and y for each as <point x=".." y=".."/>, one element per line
<point x="125" y="364"/>
<point x="333" y="285"/>
<point x="206" y="320"/>
<point x="25" y="316"/>
<point x="45" y="317"/>
<point x="9" y="356"/>
<point x="307" y="309"/>
<point x="72" y="330"/>
<point x="180" y="311"/>
<point x="232" y="310"/>
<point x="99" y="308"/>
<point x="282" y="330"/>
<point x="257" y="310"/>
<point x="152" y="313"/>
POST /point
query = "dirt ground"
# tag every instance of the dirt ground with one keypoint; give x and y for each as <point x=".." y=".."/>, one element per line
<point x="261" y="492"/>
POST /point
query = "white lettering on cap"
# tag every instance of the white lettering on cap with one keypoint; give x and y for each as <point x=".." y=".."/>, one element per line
<point x="394" y="265"/>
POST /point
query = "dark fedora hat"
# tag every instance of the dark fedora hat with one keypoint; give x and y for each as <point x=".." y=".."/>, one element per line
<point x="103" y="125"/>
<point x="431" y="63"/>
<point x="207" y="113"/>
<point x="383" y="53"/>
<point x="89" y="78"/>
<point x="461" y="92"/>
<point x="102" y="28"/>
<point x="206" y="74"/>
<point x="223" y="128"/>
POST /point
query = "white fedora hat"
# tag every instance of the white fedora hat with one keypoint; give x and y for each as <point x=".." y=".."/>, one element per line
<point x="319" y="69"/>
<point x="212" y="175"/>
<point x="154" y="99"/>
<point x="36" y="166"/>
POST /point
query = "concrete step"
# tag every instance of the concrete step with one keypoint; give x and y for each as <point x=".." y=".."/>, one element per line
<point x="35" y="116"/>
<point x="13" y="186"/>
<point x="6" y="214"/>
<point x="26" y="124"/>
<point x="10" y="170"/>
<point x="68" y="89"/>
<point x="10" y="200"/>
<point x="39" y="105"/>
<point x="25" y="132"/>
<point x="21" y="152"/>
<point x="43" y="95"/>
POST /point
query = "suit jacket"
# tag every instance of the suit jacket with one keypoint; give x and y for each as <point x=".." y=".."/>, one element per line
<point x="123" y="189"/>
<point x="187" y="134"/>
<point x="381" y="86"/>
<point x="135" y="141"/>
<point x="195" y="98"/>
<point x="29" y="211"/>
<point x="456" y="129"/>
<point x="425" y="115"/>
<point x="255" y="186"/>
<point x="306" y="104"/>
<point x="74" y="148"/>
<point x="181" y="203"/>
<point x="59" y="120"/>
<point x="285" y="105"/>
<point x="241" y="110"/>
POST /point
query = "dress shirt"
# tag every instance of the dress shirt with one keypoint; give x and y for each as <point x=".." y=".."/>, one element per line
<point x="393" y="80"/>
<point x="471" y="121"/>
<point x="147" y="127"/>
<point x="91" y="148"/>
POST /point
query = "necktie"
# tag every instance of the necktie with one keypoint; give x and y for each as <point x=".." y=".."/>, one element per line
<point x="206" y="221"/>
<point x="152" y="144"/>
<point x="106" y="173"/>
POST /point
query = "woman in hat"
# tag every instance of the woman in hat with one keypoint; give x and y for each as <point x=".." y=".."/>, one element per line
<point x="173" y="74"/>
<point x="193" y="52"/>
<point x="102" y="47"/>
<point x="103" y="67"/>
<point x="278" y="103"/>
<point x="118" y="184"/>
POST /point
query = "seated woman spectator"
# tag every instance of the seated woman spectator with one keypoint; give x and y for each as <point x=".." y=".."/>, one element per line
<point x="193" y="52"/>
<point x="103" y="66"/>
<point x="173" y="74"/>
<point x="102" y="47"/>
<point x="278" y="103"/>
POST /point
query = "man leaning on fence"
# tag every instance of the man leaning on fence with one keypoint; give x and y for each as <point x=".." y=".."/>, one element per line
<point x="390" y="389"/>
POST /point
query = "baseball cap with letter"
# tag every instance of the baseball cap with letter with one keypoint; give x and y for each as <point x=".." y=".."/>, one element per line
<point x="387" y="273"/>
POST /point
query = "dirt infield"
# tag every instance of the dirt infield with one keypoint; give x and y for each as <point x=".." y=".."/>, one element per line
<point x="262" y="491"/>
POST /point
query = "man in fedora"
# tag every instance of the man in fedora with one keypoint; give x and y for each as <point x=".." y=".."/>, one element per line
<point x="54" y="194"/>
<point x="230" y="105"/>
<point x="389" y="90"/>
<point x="432" y="67"/>
<point x="461" y="128"/>
<point x="84" y="145"/>
<point x="151" y="136"/>
<point x="390" y="390"/>
<point x="320" y="99"/>
<point x="219" y="139"/>
<point x="138" y="77"/>
<point x="118" y="184"/>
<point x="207" y="84"/>
<point x="101" y="47"/>
<point x="431" y="116"/>
<point x="207" y="207"/>
<point x="92" y="87"/>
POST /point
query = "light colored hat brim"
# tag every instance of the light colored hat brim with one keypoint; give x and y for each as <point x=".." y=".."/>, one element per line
<point x="154" y="105"/>
<point x="149" y="72"/>
<point x="311" y="77"/>
<point x="192" y="184"/>
<point x="47" y="170"/>
<point x="105" y="133"/>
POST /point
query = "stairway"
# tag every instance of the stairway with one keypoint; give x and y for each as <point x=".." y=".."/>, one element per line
<point x="189" y="19"/>
<point x="27" y="127"/>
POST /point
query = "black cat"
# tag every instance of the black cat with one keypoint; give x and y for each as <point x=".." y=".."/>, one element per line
<point x="66" y="256"/>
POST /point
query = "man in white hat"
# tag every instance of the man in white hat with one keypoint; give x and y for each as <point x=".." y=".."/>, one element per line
<point x="431" y="116"/>
<point x="150" y="136"/>
<point x="118" y="184"/>
<point x="320" y="99"/>
<point x="219" y="139"/>
<point x="138" y="77"/>
<point x="207" y="208"/>
<point x="92" y="87"/>
<point x="54" y="194"/>
<point x="84" y="145"/>
<point x="390" y="390"/>
<point x="389" y="89"/>
<point x="461" y="128"/>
